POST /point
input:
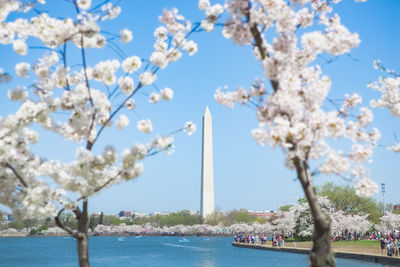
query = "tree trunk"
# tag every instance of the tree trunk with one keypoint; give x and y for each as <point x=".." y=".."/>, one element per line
<point x="82" y="236"/>
<point x="321" y="253"/>
<point x="83" y="252"/>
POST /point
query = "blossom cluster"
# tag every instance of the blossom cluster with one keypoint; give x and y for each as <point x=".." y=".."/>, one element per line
<point x="197" y="229"/>
<point x="389" y="222"/>
<point x="389" y="88"/>
<point x="299" y="217"/>
<point x="82" y="92"/>
<point x="293" y="114"/>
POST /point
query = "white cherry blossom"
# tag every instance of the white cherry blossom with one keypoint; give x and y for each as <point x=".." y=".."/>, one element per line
<point x="145" y="126"/>
<point x="190" y="127"/>
<point x="122" y="122"/>
<point x="154" y="98"/>
<point x="131" y="64"/>
<point x="366" y="187"/>
<point x="22" y="69"/>
<point x="20" y="47"/>
<point x="159" y="59"/>
<point x="167" y="93"/>
<point x="126" y="36"/>
<point x="84" y="4"/>
<point x="147" y="78"/>
<point x="126" y="84"/>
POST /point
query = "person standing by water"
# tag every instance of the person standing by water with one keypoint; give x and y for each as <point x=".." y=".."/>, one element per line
<point x="382" y="245"/>
<point x="398" y="245"/>
<point x="387" y="243"/>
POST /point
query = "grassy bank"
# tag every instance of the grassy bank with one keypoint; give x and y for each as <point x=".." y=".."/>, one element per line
<point x="361" y="246"/>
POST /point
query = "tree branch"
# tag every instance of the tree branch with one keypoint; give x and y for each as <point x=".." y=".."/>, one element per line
<point x="101" y="187"/>
<point x="85" y="70"/>
<point x="90" y="144"/>
<point x="137" y="88"/>
<point x="63" y="226"/>
<point x="259" y="43"/>
<point x="16" y="174"/>
<point x="64" y="55"/>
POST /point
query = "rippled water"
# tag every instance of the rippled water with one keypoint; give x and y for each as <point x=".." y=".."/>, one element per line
<point x="147" y="251"/>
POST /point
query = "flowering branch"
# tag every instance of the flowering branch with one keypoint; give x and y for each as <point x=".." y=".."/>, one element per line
<point x="16" y="174"/>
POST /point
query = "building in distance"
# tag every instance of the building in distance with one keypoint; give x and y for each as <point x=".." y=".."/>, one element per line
<point x="261" y="213"/>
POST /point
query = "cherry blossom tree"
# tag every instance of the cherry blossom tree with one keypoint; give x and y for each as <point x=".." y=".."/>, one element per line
<point x="64" y="94"/>
<point x="284" y="221"/>
<point x="303" y="219"/>
<point x="389" y="222"/>
<point x="290" y="105"/>
<point x="389" y="88"/>
<point x="299" y="218"/>
<point x="197" y="229"/>
<point x="351" y="222"/>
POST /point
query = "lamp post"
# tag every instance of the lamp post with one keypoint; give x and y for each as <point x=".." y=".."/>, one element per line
<point x="383" y="190"/>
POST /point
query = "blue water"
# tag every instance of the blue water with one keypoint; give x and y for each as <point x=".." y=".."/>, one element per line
<point x="147" y="251"/>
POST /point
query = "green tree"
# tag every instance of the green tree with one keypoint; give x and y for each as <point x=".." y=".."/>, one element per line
<point x="48" y="221"/>
<point x="19" y="225"/>
<point x="108" y="219"/>
<point x="68" y="219"/>
<point x="116" y="221"/>
<point x="214" y="218"/>
<point x="260" y="220"/>
<point x="101" y="219"/>
<point x="285" y="207"/>
<point x="92" y="222"/>
<point x="344" y="198"/>
<point x="30" y="222"/>
<point x="174" y="218"/>
<point x="243" y="216"/>
<point x="144" y="220"/>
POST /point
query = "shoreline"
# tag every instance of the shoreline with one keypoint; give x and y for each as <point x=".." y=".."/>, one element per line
<point x="113" y="235"/>
<point x="338" y="254"/>
<point x="14" y="235"/>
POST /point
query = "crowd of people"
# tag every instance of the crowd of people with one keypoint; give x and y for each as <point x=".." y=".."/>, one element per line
<point x="277" y="240"/>
<point x="347" y="235"/>
<point x="389" y="242"/>
<point x="248" y="239"/>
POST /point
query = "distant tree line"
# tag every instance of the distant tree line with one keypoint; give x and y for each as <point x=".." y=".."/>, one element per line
<point x="342" y="197"/>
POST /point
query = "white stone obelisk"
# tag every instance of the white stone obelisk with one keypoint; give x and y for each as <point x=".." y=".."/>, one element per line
<point x="207" y="171"/>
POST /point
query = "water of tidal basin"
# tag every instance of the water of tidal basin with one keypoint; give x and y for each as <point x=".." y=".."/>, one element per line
<point x="147" y="251"/>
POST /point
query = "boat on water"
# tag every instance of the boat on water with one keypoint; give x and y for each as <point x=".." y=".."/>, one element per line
<point x="121" y="238"/>
<point x="205" y="238"/>
<point x="183" y="239"/>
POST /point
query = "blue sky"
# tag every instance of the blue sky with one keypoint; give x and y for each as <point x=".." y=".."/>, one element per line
<point x="245" y="174"/>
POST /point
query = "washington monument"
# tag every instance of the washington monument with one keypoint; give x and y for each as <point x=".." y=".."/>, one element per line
<point x="207" y="172"/>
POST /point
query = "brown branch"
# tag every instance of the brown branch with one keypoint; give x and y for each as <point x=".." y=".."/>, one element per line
<point x="84" y="69"/>
<point x="64" y="55"/>
<point x="102" y="186"/>
<point x="90" y="144"/>
<point x="136" y="89"/>
<point x="116" y="111"/>
<point x="63" y="226"/>
<point x="256" y="35"/>
<point x="259" y="43"/>
<point x="6" y="134"/>
<point x="16" y="174"/>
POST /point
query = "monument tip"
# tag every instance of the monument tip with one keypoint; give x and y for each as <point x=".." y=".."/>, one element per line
<point x="207" y="112"/>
